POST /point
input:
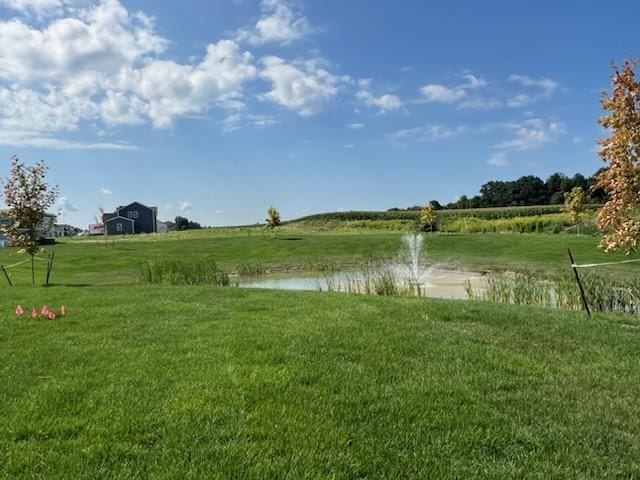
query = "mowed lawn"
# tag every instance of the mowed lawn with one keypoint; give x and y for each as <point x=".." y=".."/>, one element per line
<point x="197" y="382"/>
<point x="91" y="262"/>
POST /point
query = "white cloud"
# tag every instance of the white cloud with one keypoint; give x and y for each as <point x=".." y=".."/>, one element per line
<point x="302" y="86"/>
<point x="27" y="110"/>
<point x="66" y="206"/>
<point x="480" y="103"/>
<point x="238" y="120"/>
<point x="355" y="126"/>
<point x="348" y="146"/>
<point x="100" y="64"/>
<point x="520" y="100"/>
<point x="105" y="191"/>
<point x="218" y="212"/>
<point x="97" y="41"/>
<point x="442" y="94"/>
<point x="39" y="8"/>
<point x="576" y="140"/>
<point x="164" y="90"/>
<point x="37" y="140"/>
<point x="184" y="206"/>
<point x="279" y="23"/>
<point x="547" y="85"/>
<point x="385" y="103"/>
<point x="473" y="81"/>
<point x="428" y="133"/>
<point x="531" y="133"/>
<point x="498" y="159"/>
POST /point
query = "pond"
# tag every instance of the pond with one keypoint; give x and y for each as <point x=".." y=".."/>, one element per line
<point x="437" y="283"/>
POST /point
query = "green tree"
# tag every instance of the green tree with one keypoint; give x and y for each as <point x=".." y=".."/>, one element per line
<point x="555" y="187"/>
<point x="273" y="219"/>
<point x="621" y="151"/>
<point x="463" y="202"/>
<point x="574" y="203"/>
<point x="181" y="223"/>
<point x="27" y="196"/>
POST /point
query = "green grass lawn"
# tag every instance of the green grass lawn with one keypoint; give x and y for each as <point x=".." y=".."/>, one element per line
<point x="90" y="262"/>
<point x="197" y="382"/>
<point x="143" y="381"/>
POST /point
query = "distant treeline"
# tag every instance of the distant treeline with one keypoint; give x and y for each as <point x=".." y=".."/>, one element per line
<point x="528" y="190"/>
<point x="182" y="223"/>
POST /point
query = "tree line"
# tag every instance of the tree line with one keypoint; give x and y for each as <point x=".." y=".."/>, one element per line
<point x="182" y="223"/>
<point x="525" y="191"/>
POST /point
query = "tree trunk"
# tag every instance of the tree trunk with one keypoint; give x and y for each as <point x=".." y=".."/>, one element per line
<point x="33" y="272"/>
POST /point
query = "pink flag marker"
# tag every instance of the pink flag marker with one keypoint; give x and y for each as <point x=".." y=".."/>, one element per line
<point x="63" y="312"/>
<point x="51" y="315"/>
<point x="19" y="310"/>
<point x="34" y="313"/>
<point x="45" y="311"/>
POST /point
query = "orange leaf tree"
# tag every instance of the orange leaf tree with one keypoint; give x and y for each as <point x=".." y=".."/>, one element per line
<point x="428" y="216"/>
<point x="621" y="179"/>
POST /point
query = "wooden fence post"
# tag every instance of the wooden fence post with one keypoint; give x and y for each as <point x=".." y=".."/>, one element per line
<point x="50" y="266"/>
<point x="6" y="275"/>
<point x="582" y="294"/>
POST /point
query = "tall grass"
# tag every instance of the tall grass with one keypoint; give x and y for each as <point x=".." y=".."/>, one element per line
<point x="255" y="268"/>
<point x="373" y="278"/>
<point x="549" y="223"/>
<point x="197" y="271"/>
<point x="604" y="292"/>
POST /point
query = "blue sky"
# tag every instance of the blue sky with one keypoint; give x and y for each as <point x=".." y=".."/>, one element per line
<point x="218" y="109"/>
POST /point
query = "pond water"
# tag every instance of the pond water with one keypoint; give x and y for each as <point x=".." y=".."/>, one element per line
<point x="437" y="283"/>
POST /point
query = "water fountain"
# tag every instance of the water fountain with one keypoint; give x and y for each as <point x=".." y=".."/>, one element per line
<point x="415" y="273"/>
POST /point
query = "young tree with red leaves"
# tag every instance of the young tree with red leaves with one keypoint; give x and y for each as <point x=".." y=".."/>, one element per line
<point x="27" y="196"/>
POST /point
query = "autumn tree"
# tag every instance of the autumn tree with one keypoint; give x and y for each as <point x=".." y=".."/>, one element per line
<point x="273" y="219"/>
<point x="575" y="202"/>
<point x="621" y="179"/>
<point x="27" y="196"/>
<point x="428" y="216"/>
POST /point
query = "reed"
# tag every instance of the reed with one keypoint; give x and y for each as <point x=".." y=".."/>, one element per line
<point x="548" y="223"/>
<point x="197" y="271"/>
<point x="373" y="278"/>
<point x="253" y="269"/>
<point x="604" y="292"/>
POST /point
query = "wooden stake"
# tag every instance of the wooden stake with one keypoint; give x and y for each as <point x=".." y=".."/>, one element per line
<point x="46" y="277"/>
<point x="50" y="266"/>
<point x="582" y="294"/>
<point x="6" y="275"/>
